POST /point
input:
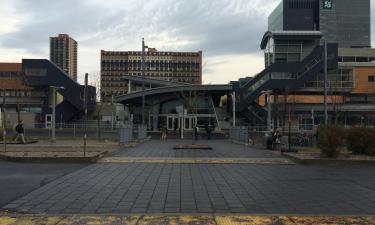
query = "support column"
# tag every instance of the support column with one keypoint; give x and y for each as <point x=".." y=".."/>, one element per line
<point x="155" y="113"/>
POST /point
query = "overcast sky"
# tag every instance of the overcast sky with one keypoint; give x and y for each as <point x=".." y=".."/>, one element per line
<point x="227" y="31"/>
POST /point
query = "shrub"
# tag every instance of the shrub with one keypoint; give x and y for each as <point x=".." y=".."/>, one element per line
<point x="361" y="140"/>
<point x="331" y="140"/>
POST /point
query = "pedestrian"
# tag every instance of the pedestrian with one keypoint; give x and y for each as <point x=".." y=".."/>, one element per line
<point x="164" y="133"/>
<point x="276" y="138"/>
<point x="208" y="131"/>
<point x="20" y="132"/>
<point x="196" y="132"/>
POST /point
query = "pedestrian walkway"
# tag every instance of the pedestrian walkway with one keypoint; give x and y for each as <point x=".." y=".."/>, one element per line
<point x="122" y="188"/>
<point x="184" y="220"/>
<point x="220" y="149"/>
<point x="281" y="161"/>
<point x="153" y="178"/>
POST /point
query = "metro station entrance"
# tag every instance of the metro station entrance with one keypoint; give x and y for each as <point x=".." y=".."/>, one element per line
<point x="174" y="122"/>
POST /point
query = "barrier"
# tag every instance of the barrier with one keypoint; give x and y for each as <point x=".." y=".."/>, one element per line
<point x="142" y="132"/>
<point x="239" y="134"/>
<point x="126" y="134"/>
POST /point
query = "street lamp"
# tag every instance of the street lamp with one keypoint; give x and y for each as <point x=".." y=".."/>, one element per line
<point x="53" y="124"/>
<point x="143" y="80"/>
<point x="325" y="83"/>
<point x="269" y="109"/>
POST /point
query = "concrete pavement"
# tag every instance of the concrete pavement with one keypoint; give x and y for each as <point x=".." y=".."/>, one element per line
<point x="18" y="179"/>
<point x="203" y="188"/>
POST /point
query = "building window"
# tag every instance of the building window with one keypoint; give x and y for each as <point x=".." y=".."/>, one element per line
<point x="371" y="78"/>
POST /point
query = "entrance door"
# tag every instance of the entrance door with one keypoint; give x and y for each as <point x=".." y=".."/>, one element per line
<point x="190" y="122"/>
<point x="172" y="122"/>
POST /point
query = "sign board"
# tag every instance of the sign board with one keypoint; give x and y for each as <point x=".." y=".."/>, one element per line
<point x="327" y="4"/>
<point x="48" y="121"/>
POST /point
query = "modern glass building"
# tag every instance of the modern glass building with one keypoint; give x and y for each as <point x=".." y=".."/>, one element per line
<point x="345" y="22"/>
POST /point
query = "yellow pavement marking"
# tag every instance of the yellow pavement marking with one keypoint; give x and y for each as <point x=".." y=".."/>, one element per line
<point x="24" y="220"/>
<point x="331" y="220"/>
<point x="189" y="220"/>
<point x="100" y="220"/>
<point x="369" y="219"/>
<point x="252" y="220"/>
<point x="184" y="220"/>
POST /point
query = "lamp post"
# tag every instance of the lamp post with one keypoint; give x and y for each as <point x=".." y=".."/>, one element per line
<point x="234" y="108"/>
<point x="53" y="125"/>
<point x="325" y="83"/>
<point x="85" y="107"/>
<point x="4" y="122"/>
<point x="269" y="109"/>
<point x="143" y="80"/>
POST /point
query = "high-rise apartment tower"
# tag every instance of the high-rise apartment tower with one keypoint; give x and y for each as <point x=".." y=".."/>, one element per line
<point x="63" y="52"/>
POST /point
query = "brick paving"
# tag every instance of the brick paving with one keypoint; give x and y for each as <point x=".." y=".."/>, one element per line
<point x="205" y="188"/>
<point x="137" y="187"/>
<point x="221" y="149"/>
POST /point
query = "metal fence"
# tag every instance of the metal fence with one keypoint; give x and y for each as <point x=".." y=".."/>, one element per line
<point x="260" y="135"/>
<point x="65" y="131"/>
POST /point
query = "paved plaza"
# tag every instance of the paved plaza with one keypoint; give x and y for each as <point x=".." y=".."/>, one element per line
<point x="220" y="149"/>
<point x="104" y="188"/>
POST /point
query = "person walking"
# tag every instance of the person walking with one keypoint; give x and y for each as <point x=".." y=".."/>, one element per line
<point x="164" y="133"/>
<point x="196" y="132"/>
<point x="20" y="132"/>
<point x="208" y="131"/>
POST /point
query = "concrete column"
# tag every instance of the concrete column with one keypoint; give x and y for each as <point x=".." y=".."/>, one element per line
<point x="155" y="113"/>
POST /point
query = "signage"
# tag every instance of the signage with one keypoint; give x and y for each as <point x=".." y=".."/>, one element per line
<point x="327" y="4"/>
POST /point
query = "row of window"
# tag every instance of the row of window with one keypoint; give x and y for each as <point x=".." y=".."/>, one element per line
<point x="151" y="53"/>
<point x="128" y="70"/>
<point x="150" y="64"/>
<point x="14" y="93"/>
<point x="298" y="4"/>
<point x="10" y="74"/>
<point x="356" y="59"/>
<point x="147" y="74"/>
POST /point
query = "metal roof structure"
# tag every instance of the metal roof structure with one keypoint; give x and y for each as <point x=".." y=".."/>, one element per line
<point x="289" y="34"/>
<point x="173" y="89"/>
<point x="154" y="82"/>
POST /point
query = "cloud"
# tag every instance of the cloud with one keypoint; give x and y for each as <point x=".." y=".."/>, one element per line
<point x="227" y="31"/>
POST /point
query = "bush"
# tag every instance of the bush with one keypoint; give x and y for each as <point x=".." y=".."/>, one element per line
<point x="331" y="140"/>
<point x="361" y="140"/>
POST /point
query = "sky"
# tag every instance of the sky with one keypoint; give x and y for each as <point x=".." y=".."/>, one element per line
<point x="227" y="31"/>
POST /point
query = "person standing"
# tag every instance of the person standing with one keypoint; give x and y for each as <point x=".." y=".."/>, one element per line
<point x="196" y="132"/>
<point x="164" y="133"/>
<point x="20" y="132"/>
<point x="208" y="131"/>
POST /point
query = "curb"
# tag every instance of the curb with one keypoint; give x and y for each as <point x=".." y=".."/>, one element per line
<point x="305" y="161"/>
<point x="91" y="159"/>
<point x="214" y="219"/>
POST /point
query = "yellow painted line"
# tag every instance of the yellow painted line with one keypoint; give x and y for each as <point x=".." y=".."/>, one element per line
<point x="331" y="220"/>
<point x="99" y="220"/>
<point x="252" y="220"/>
<point x="184" y="220"/>
<point x="30" y="220"/>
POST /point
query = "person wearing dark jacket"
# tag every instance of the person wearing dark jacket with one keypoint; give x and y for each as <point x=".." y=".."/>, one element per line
<point x="20" y="132"/>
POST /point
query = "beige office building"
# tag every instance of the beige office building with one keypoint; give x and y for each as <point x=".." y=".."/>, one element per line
<point x="63" y="52"/>
<point x="184" y="67"/>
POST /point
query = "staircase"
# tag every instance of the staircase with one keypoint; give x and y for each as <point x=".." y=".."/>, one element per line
<point x="282" y="76"/>
<point x="43" y="73"/>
